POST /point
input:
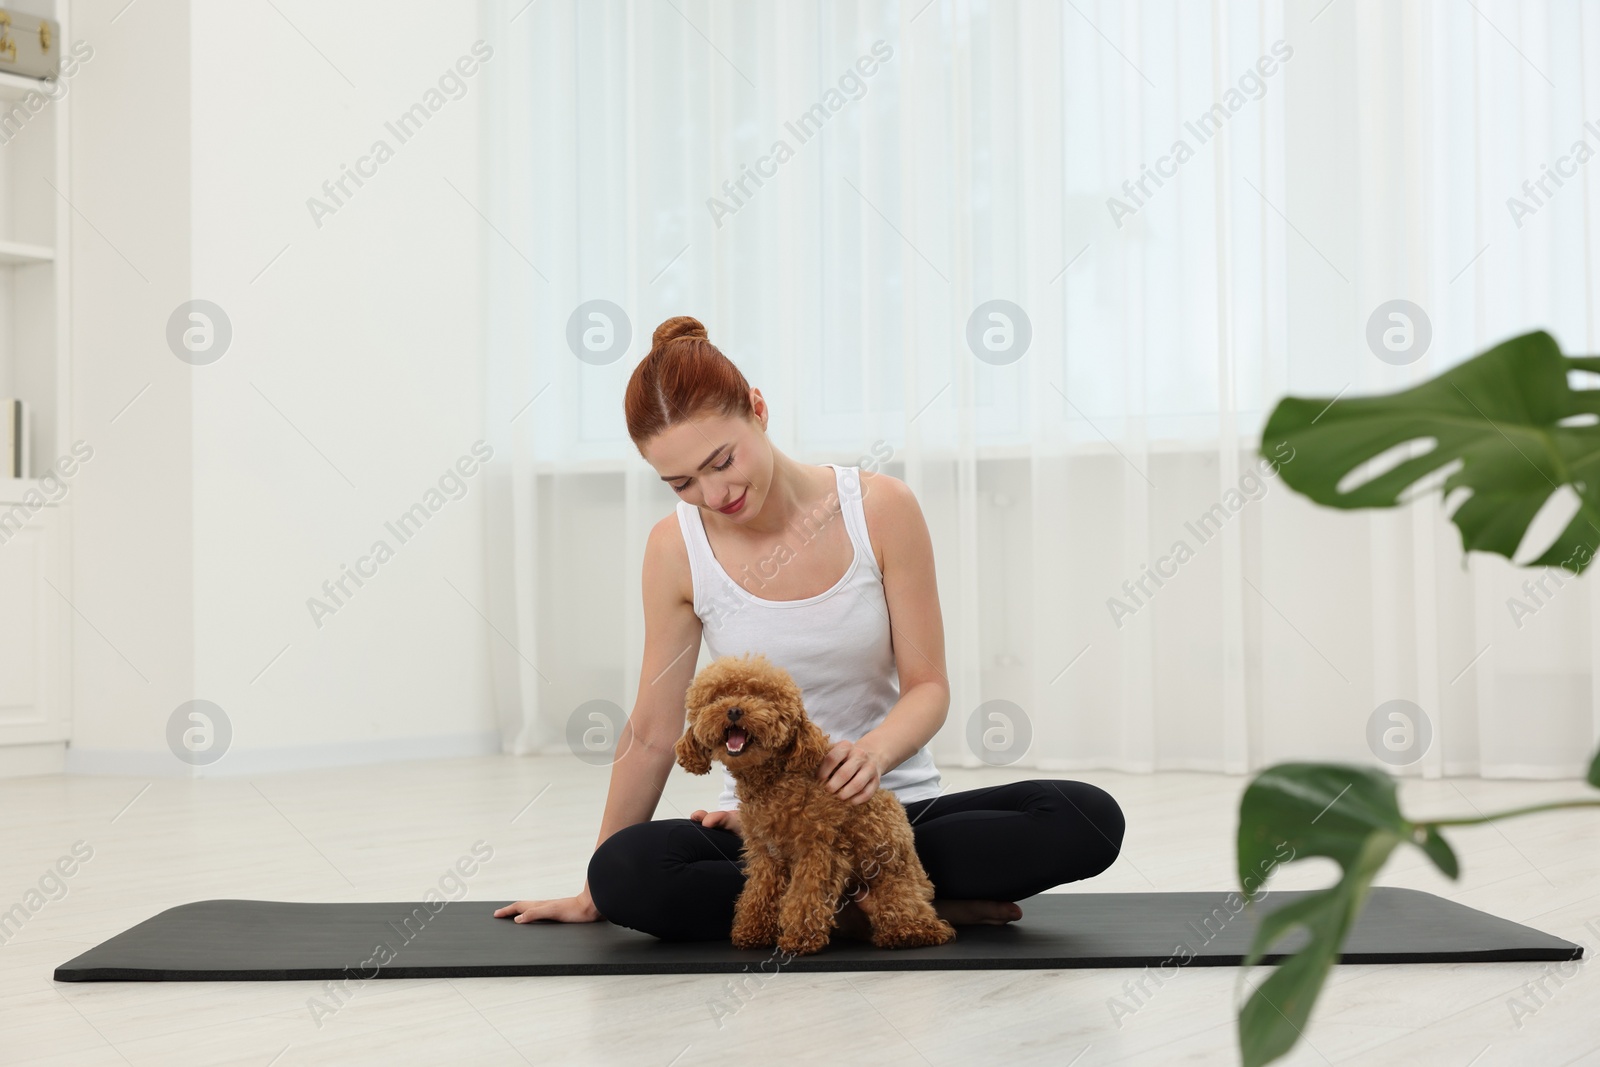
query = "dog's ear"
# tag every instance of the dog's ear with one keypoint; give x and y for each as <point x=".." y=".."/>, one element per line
<point x="809" y="743"/>
<point x="692" y="755"/>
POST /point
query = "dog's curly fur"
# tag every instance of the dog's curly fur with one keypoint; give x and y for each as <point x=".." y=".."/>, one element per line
<point x="802" y="844"/>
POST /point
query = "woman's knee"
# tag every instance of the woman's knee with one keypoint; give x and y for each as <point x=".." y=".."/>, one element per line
<point x="618" y="871"/>
<point x="1093" y="823"/>
<point x="646" y="877"/>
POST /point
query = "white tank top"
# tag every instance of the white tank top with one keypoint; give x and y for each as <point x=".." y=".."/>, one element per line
<point x="836" y="645"/>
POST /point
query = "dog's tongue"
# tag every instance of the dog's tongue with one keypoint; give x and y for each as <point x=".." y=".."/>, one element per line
<point x="736" y="739"/>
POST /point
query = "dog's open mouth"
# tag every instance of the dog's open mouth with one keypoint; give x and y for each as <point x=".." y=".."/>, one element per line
<point x="737" y="740"/>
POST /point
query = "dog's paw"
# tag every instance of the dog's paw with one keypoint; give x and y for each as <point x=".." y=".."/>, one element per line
<point x="801" y="944"/>
<point x="916" y="934"/>
<point x="754" y="935"/>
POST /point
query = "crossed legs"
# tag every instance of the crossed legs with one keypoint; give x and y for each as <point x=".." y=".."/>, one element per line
<point x="679" y="881"/>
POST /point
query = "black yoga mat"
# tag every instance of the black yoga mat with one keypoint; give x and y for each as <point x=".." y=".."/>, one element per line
<point x="263" y="940"/>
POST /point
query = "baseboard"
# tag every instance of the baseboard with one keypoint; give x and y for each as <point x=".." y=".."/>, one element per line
<point x="240" y="762"/>
<point x="30" y="761"/>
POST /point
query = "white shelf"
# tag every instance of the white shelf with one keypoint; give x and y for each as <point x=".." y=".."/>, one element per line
<point x="12" y="490"/>
<point x="35" y="295"/>
<point x="15" y="253"/>
<point x="34" y="733"/>
<point x="15" y="86"/>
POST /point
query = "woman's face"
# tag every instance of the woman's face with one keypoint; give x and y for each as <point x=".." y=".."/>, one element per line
<point x="714" y="462"/>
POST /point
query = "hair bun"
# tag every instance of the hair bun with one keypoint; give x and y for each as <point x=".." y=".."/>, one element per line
<point x="676" y="327"/>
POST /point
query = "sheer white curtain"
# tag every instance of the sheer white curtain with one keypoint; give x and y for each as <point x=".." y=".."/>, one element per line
<point x="1189" y="208"/>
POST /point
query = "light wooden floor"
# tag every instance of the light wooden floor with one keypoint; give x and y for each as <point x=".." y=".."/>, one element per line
<point x="388" y="833"/>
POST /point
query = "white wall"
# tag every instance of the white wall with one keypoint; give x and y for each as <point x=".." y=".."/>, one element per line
<point x="226" y="496"/>
<point x="132" y="504"/>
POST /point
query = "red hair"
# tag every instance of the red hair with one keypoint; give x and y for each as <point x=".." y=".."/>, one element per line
<point x="683" y="377"/>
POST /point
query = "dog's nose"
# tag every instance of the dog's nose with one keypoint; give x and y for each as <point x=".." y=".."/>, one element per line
<point x="734" y="714"/>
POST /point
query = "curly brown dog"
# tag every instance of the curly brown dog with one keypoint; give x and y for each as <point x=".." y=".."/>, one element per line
<point x="802" y="844"/>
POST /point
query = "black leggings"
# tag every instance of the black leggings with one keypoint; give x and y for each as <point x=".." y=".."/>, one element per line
<point x="679" y="880"/>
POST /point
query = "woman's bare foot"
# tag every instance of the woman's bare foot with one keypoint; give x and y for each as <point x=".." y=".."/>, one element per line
<point x="853" y="922"/>
<point x="970" y="912"/>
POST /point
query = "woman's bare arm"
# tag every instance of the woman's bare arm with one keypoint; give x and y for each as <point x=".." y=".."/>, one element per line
<point x="671" y="649"/>
<point x="645" y="748"/>
<point x="916" y="625"/>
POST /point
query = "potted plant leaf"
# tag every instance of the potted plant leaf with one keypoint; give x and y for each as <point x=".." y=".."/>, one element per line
<point x="1505" y="427"/>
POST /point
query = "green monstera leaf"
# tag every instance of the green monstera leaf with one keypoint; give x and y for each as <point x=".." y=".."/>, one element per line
<point x="1508" y="415"/>
<point x="1507" y="427"/>
<point x="1294" y="810"/>
<point x="1352" y="816"/>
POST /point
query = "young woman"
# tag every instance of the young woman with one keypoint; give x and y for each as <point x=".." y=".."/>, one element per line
<point x="837" y="586"/>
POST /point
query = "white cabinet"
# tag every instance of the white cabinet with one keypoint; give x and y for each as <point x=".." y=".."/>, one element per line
<point x="35" y="221"/>
<point x="34" y="717"/>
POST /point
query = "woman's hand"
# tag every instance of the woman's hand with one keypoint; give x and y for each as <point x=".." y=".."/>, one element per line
<point x="728" y="820"/>
<point x="851" y="771"/>
<point x="575" y="909"/>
